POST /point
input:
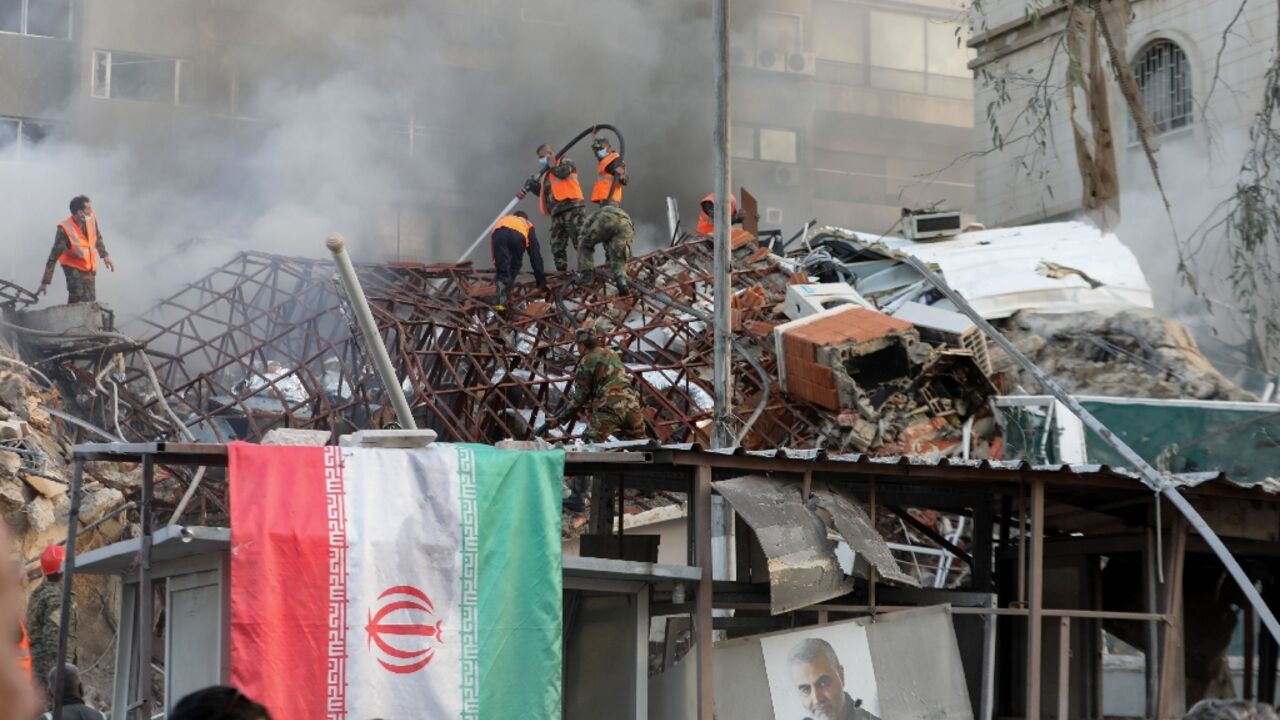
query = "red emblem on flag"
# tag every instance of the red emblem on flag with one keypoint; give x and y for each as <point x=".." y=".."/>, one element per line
<point x="406" y="641"/>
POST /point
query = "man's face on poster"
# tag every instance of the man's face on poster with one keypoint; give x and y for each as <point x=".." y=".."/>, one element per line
<point x="820" y="683"/>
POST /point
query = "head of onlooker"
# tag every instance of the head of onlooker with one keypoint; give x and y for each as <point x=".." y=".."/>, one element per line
<point x="1215" y="709"/>
<point x="219" y="702"/>
<point x="72" y="686"/>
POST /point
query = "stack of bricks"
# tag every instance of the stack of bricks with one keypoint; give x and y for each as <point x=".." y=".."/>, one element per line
<point x="807" y="377"/>
<point x="747" y="305"/>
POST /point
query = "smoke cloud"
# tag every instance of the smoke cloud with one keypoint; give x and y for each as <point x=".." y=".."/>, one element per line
<point x="324" y="141"/>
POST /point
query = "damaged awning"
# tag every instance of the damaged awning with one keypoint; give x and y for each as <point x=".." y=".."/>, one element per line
<point x="800" y="537"/>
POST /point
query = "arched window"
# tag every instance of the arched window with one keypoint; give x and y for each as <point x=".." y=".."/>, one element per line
<point x="1165" y="79"/>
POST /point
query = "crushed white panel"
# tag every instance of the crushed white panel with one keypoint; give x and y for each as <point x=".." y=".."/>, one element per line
<point x="805" y="300"/>
<point x="1005" y="270"/>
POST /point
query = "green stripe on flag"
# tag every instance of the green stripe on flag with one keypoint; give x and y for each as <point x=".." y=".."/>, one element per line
<point x="512" y="586"/>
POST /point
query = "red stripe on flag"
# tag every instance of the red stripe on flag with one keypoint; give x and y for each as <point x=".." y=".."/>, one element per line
<point x="288" y="579"/>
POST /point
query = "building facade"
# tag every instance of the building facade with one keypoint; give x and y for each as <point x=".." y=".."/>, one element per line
<point x="1200" y="67"/>
<point x="844" y="111"/>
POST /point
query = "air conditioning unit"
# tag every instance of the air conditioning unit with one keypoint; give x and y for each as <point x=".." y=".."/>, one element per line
<point x="802" y="63"/>
<point x="947" y="327"/>
<point x="773" y="216"/>
<point x="772" y="60"/>
<point x="741" y="56"/>
<point x="805" y="300"/>
<point x="923" y="225"/>
<point x="786" y="175"/>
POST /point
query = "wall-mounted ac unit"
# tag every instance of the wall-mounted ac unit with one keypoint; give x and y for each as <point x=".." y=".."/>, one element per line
<point x="786" y="175"/>
<point x="922" y="225"/>
<point x="772" y="60"/>
<point x="802" y="63"/>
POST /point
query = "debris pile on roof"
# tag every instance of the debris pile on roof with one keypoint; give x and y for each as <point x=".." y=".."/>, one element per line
<point x="34" y="479"/>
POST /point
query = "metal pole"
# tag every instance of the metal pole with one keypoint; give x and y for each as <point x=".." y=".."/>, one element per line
<point x="1151" y="477"/>
<point x="1035" y="622"/>
<point x="722" y="434"/>
<point x="369" y="328"/>
<point x="706" y="703"/>
<point x="145" y="595"/>
<point x="68" y="573"/>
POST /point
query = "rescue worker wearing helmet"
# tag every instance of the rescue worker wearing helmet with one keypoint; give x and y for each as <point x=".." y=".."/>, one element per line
<point x="611" y="173"/>
<point x="44" y="615"/>
<point x="602" y="387"/>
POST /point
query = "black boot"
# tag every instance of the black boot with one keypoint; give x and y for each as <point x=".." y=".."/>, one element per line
<point x="620" y="282"/>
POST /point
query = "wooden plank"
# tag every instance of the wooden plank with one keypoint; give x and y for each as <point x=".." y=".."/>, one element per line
<point x="702" y="628"/>
<point x="1172" y="669"/>
<point x="1035" y="616"/>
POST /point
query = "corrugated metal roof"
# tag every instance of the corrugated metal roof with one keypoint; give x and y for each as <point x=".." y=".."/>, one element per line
<point x="1082" y="470"/>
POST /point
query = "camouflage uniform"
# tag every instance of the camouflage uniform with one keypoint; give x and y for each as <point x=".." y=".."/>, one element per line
<point x="82" y="286"/>
<point x="610" y="226"/>
<point x="44" y="613"/>
<point x="601" y="386"/>
<point x="567" y="216"/>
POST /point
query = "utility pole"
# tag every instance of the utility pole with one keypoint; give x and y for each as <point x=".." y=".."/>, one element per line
<point x="722" y="434"/>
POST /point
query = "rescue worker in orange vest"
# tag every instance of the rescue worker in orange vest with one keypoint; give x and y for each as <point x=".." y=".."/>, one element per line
<point x="560" y="197"/>
<point x="512" y="237"/>
<point x="77" y="246"/>
<point x="707" y="213"/>
<point x="611" y="172"/>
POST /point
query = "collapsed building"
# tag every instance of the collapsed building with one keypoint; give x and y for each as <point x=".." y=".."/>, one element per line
<point x="841" y="351"/>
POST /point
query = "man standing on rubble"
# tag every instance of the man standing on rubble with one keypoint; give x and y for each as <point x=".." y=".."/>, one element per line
<point x="44" y="614"/>
<point x="560" y="197"/>
<point x="611" y="173"/>
<point x="602" y="387"/>
<point x="512" y="236"/>
<point x="77" y="247"/>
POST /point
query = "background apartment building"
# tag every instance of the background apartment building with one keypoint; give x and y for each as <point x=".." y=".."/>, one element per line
<point x="424" y="119"/>
<point x="1177" y="48"/>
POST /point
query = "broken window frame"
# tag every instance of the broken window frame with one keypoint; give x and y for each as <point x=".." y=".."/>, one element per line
<point x="105" y="60"/>
<point x="24" y="20"/>
<point x="22" y="142"/>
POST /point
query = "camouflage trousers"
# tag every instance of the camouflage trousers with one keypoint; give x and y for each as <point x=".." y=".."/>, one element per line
<point x="626" y="422"/>
<point x="82" y="286"/>
<point x="565" y="228"/>
<point x="609" y="226"/>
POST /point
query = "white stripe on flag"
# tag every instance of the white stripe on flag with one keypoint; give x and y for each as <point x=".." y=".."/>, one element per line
<point x="405" y="572"/>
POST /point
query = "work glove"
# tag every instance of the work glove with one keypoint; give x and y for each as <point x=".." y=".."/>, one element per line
<point x="531" y="185"/>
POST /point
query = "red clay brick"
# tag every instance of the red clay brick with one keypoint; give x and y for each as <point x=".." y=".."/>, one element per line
<point x="740" y="237"/>
<point x="823" y="377"/>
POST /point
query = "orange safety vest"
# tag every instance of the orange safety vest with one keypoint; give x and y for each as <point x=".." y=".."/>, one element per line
<point x="706" y="225"/>
<point x="561" y="190"/>
<point x="24" y="651"/>
<point x="605" y="181"/>
<point x="82" y="252"/>
<point x="517" y="223"/>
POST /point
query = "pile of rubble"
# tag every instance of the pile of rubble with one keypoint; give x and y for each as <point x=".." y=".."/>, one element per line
<point x="34" y="480"/>
<point x="839" y="345"/>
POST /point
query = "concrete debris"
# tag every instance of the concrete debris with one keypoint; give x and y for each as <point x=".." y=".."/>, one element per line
<point x="295" y="437"/>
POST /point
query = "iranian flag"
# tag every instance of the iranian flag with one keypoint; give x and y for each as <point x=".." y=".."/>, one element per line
<point x="396" y="584"/>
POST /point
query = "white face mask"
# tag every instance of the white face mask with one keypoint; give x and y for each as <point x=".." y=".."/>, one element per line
<point x="544" y="161"/>
<point x="602" y="153"/>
